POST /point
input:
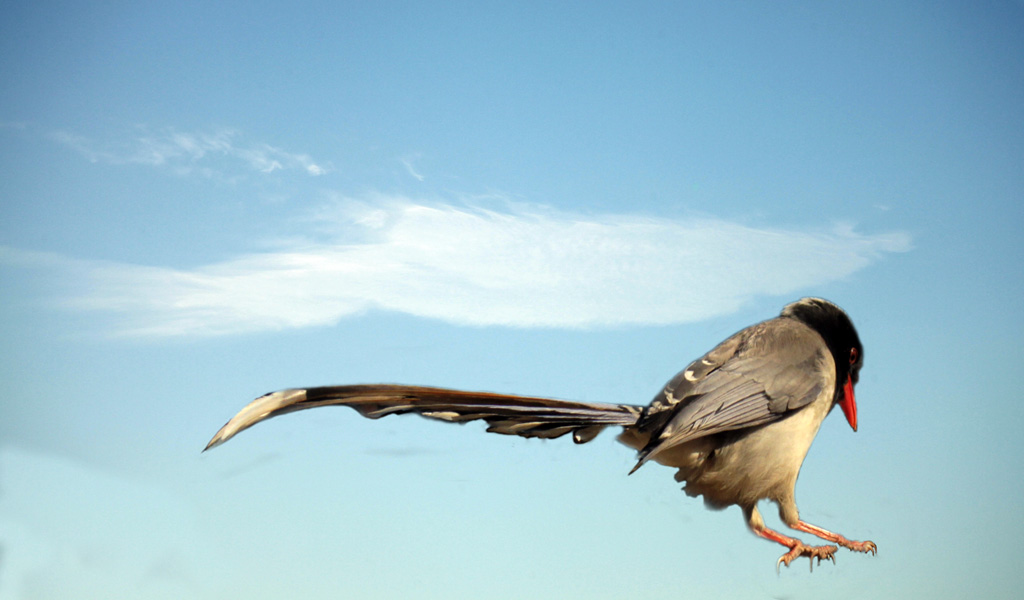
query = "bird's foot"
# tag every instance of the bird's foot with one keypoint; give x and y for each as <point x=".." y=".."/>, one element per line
<point x="812" y="552"/>
<point x="865" y="546"/>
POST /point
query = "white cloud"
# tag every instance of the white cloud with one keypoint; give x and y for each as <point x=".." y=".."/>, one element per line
<point x="184" y="153"/>
<point x="519" y="267"/>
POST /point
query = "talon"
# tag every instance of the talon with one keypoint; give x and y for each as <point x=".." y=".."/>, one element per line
<point x="811" y="552"/>
<point x="865" y="547"/>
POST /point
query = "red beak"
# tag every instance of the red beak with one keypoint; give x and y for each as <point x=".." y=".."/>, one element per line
<point x="849" y="404"/>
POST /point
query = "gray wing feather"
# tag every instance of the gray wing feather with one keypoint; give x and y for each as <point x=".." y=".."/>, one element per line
<point x="682" y="385"/>
<point x="754" y="378"/>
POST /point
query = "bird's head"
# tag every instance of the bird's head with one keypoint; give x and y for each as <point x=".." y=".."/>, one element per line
<point x="836" y="328"/>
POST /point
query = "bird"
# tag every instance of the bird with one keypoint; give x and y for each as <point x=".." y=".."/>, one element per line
<point x="736" y="423"/>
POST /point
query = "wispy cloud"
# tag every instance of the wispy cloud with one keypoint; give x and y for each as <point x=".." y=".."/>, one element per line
<point x="410" y="169"/>
<point x="204" y="153"/>
<point x="520" y="267"/>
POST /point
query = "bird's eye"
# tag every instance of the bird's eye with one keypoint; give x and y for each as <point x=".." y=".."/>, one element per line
<point x="853" y="356"/>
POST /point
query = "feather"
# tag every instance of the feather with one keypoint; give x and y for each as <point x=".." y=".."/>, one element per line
<point x="511" y="415"/>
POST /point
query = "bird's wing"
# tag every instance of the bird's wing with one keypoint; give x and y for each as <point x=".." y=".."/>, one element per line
<point x="753" y="378"/>
<point x="512" y="415"/>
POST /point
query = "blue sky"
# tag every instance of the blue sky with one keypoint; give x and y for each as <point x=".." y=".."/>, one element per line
<point x="200" y="204"/>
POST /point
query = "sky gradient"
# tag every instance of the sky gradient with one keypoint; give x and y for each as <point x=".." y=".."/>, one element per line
<point x="200" y="204"/>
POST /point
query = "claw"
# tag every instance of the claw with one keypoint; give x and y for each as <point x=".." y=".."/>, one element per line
<point x="811" y="552"/>
<point x="865" y="547"/>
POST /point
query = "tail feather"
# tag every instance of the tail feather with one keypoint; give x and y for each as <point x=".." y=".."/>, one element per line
<point x="511" y="415"/>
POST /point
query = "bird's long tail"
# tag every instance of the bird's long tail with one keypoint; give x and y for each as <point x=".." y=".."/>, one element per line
<point x="511" y="415"/>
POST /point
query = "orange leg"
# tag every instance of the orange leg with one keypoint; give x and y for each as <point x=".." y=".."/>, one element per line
<point x="796" y="548"/>
<point x="835" y="538"/>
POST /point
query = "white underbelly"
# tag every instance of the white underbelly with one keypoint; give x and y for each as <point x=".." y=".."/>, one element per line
<point x="760" y="464"/>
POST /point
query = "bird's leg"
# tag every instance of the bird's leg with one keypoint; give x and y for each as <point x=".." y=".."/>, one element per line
<point x="796" y="547"/>
<point x="835" y="538"/>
